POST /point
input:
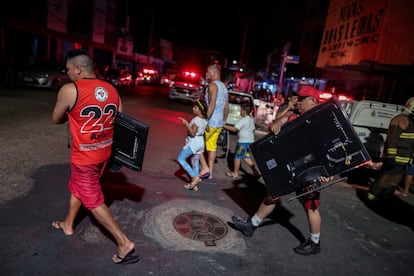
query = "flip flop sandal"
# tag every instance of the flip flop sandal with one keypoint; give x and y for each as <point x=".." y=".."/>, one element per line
<point x="128" y="259"/>
<point x="205" y="175"/>
<point x="192" y="186"/>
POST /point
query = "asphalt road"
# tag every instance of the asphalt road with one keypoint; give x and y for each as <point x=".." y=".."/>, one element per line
<point x="177" y="232"/>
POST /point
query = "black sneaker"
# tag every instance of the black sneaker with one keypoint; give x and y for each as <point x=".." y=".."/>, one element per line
<point x="244" y="225"/>
<point x="308" y="248"/>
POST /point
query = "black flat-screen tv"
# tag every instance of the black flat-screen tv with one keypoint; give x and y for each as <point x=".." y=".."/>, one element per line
<point x="129" y="142"/>
<point x="320" y="142"/>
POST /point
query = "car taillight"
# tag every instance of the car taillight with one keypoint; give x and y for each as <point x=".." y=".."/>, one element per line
<point x="325" y="96"/>
<point x="190" y="74"/>
<point x="149" y="71"/>
<point x="344" y="98"/>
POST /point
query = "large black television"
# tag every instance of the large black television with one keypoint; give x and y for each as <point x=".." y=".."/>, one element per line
<point x="320" y="142"/>
<point x="129" y="142"/>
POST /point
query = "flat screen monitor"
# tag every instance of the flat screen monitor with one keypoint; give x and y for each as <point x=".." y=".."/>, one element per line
<point x="130" y="139"/>
<point x="320" y="142"/>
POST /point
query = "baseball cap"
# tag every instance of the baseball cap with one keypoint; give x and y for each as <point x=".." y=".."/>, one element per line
<point x="308" y="91"/>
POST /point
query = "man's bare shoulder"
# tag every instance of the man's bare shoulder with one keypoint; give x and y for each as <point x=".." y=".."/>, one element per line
<point x="212" y="85"/>
<point x="401" y="120"/>
<point x="70" y="86"/>
<point x="67" y="92"/>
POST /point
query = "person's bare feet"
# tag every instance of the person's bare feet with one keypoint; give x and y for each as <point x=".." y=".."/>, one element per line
<point x="123" y="252"/>
<point x="204" y="172"/>
<point x="232" y="174"/>
<point x="193" y="185"/>
<point x="61" y="225"/>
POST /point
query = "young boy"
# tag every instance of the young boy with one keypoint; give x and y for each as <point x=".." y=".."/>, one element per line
<point x="245" y="130"/>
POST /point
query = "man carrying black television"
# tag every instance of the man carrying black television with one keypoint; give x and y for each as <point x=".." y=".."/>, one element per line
<point x="90" y="105"/>
<point x="308" y="99"/>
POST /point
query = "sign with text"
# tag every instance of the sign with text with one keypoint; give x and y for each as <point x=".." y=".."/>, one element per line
<point x="292" y="59"/>
<point x="352" y="31"/>
<point x="125" y="47"/>
<point x="366" y="30"/>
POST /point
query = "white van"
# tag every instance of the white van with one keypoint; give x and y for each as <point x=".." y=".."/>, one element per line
<point x="371" y="120"/>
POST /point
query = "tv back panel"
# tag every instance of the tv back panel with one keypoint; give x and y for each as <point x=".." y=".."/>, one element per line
<point x="129" y="143"/>
<point x="320" y="142"/>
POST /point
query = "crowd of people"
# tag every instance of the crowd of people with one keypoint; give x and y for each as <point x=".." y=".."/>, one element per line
<point x="297" y="103"/>
<point x="87" y="101"/>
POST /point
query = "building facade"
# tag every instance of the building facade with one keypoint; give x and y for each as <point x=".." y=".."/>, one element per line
<point x="366" y="48"/>
<point x="33" y="31"/>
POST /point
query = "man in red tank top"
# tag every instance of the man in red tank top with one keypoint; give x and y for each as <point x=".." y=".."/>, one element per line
<point x="90" y="106"/>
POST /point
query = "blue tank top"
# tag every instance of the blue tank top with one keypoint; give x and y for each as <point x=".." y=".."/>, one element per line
<point x="217" y="118"/>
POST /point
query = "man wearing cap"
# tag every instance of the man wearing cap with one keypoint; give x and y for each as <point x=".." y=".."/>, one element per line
<point x="308" y="98"/>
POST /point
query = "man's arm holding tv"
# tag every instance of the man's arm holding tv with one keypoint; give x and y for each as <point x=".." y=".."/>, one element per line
<point x="277" y="125"/>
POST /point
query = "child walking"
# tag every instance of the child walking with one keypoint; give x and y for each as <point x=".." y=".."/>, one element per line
<point x="194" y="143"/>
<point x="245" y="130"/>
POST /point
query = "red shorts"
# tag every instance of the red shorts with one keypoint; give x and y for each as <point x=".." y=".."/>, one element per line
<point x="311" y="204"/>
<point x="84" y="184"/>
<point x="309" y="201"/>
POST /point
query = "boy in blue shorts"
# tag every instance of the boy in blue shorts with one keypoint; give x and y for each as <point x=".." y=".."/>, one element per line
<point x="245" y="131"/>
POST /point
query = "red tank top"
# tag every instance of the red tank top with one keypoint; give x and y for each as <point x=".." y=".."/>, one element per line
<point x="91" y="121"/>
<point x="292" y="117"/>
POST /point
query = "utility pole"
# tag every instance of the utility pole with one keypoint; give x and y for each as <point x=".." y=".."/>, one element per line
<point x="243" y="48"/>
<point x="150" y="39"/>
<point x="282" y="71"/>
<point x="282" y="67"/>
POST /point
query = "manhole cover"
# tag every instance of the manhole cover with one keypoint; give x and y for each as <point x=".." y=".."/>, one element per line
<point x="200" y="226"/>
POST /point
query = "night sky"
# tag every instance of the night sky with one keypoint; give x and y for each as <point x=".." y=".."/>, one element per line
<point x="218" y="25"/>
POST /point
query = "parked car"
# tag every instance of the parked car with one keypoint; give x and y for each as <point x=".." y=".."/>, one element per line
<point x="235" y="101"/>
<point x="137" y="78"/>
<point x="187" y="86"/>
<point x="165" y="80"/>
<point x="119" y="77"/>
<point x="150" y="75"/>
<point x="47" y="75"/>
<point x="370" y="120"/>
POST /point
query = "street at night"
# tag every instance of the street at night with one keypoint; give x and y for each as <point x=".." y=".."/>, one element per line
<point x="330" y="85"/>
<point x="176" y="231"/>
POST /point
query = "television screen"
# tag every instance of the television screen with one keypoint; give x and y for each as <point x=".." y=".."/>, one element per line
<point x="320" y="142"/>
<point x="130" y="139"/>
